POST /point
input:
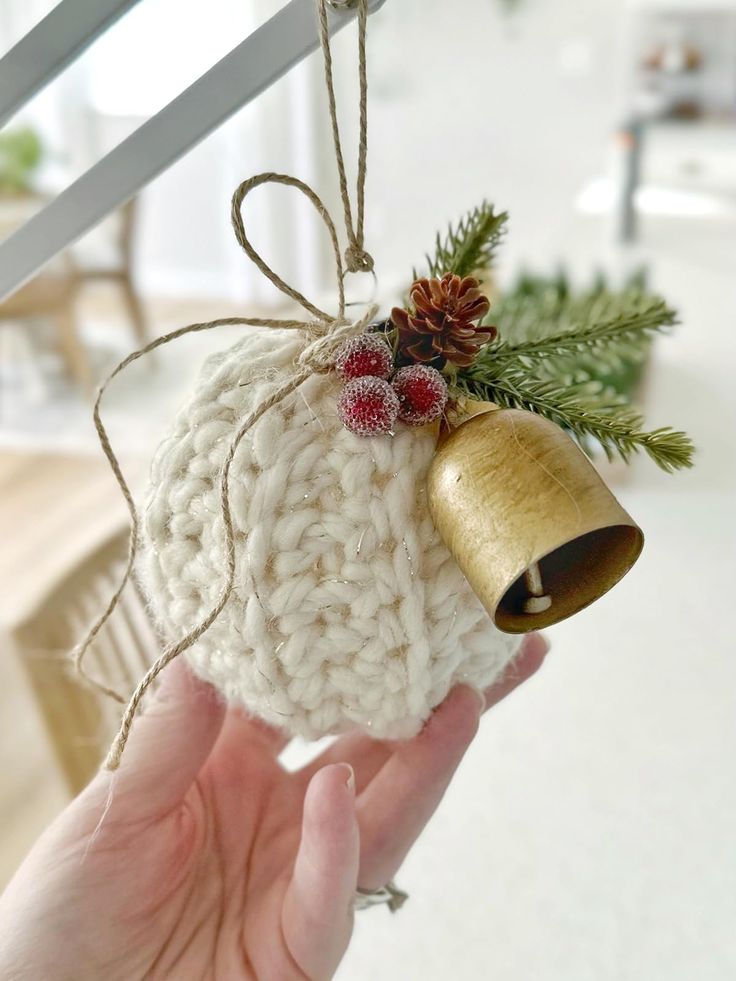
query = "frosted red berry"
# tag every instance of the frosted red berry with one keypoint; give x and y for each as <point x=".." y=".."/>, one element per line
<point x="422" y="394"/>
<point x="368" y="406"/>
<point x="366" y="354"/>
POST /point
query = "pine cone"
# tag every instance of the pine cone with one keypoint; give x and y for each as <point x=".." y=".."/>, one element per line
<point x="444" y="324"/>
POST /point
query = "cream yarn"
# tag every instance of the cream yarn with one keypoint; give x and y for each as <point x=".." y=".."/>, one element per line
<point x="347" y="609"/>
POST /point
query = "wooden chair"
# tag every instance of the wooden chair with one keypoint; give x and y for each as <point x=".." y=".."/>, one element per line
<point x="80" y="721"/>
<point x="116" y="267"/>
<point x="52" y="296"/>
<point x="57" y="571"/>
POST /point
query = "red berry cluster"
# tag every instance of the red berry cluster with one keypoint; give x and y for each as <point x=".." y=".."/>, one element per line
<point x="370" y="404"/>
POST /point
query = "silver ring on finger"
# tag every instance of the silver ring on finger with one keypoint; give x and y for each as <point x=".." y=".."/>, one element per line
<point x="389" y="894"/>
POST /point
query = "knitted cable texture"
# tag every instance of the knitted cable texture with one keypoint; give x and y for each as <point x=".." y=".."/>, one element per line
<point x="347" y="609"/>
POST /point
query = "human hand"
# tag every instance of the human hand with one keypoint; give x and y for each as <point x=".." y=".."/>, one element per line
<point x="203" y="858"/>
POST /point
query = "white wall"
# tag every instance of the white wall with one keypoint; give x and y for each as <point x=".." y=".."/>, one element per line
<point x="464" y="104"/>
<point x="487" y="105"/>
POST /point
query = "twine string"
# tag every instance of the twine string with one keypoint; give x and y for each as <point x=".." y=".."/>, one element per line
<point x="237" y="221"/>
<point x="323" y="335"/>
<point x="174" y="650"/>
<point x="315" y="358"/>
<point x="357" y="259"/>
<point x="80" y="651"/>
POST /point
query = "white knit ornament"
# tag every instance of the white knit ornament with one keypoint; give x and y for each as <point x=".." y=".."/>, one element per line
<point x="347" y="609"/>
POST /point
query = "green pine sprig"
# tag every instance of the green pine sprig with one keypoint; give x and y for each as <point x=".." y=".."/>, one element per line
<point x="629" y="329"/>
<point x="617" y="428"/>
<point x="469" y="247"/>
<point x="568" y="355"/>
<point x="549" y="372"/>
<point x="538" y="307"/>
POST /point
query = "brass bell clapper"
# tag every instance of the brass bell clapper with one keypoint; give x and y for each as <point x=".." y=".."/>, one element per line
<point x="537" y="601"/>
<point x="528" y="519"/>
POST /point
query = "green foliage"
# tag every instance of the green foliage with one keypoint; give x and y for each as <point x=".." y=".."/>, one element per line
<point x="536" y="306"/>
<point x="541" y="307"/>
<point x="20" y="154"/>
<point x="634" y="327"/>
<point x="468" y="248"/>
<point x="573" y="356"/>
<point x="605" y="338"/>
<point x="584" y="410"/>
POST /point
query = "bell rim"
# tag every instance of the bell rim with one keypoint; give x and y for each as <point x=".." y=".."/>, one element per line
<point x="528" y="622"/>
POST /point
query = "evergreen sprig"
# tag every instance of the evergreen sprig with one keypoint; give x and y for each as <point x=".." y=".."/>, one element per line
<point x="627" y="329"/>
<point x="538" y="307"/>
<point x="616" y="427"/>
<point x="469" y="247"/>
<point x="560" y="350"/>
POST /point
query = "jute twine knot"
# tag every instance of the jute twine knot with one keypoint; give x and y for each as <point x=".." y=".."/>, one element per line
<point x="319" y="356"/>
<point x="323" y="335"/>
<point x="358" y="260"/>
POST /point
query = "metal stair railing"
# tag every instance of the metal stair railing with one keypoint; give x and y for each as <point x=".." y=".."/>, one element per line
<point x="234" y="81"/>
<point x="57" y="41"/>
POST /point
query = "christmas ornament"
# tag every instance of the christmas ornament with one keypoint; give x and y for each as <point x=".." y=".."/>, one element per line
<point x="347" y="609"/>
<point x="492" y="487"/>
<point x="350" y="517"/>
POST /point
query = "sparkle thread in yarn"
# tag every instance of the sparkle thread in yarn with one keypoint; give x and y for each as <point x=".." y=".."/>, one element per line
<point x="347" y="609"/>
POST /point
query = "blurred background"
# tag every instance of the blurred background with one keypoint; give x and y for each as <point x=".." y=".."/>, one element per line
<point x="590" y="832"/>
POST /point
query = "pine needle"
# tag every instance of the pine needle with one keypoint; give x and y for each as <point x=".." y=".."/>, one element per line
<point x="468" y="248"/>
<point x="561" y="353"/>
<point x="617" y="428"/>
<point x="628" y="330"/>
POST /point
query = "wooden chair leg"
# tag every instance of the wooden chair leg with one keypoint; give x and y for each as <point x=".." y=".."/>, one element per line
<point x="73" y="350"/>
<point x="135" y="309"/>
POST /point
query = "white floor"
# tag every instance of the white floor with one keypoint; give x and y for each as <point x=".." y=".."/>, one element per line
<point x="590" y="834"/>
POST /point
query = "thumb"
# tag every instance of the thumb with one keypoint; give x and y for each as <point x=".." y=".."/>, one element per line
<point x="317" y="916"/>
<point x="168" y="744"/>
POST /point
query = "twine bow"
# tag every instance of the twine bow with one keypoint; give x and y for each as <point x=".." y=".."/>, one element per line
<point x="323" y="336"/>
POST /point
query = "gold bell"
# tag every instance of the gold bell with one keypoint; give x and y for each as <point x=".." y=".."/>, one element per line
<point x="529" y="521"/>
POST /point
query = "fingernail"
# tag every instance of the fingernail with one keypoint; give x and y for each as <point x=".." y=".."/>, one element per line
<point x="349" y="777"/>
<point x="535" y="638"/>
